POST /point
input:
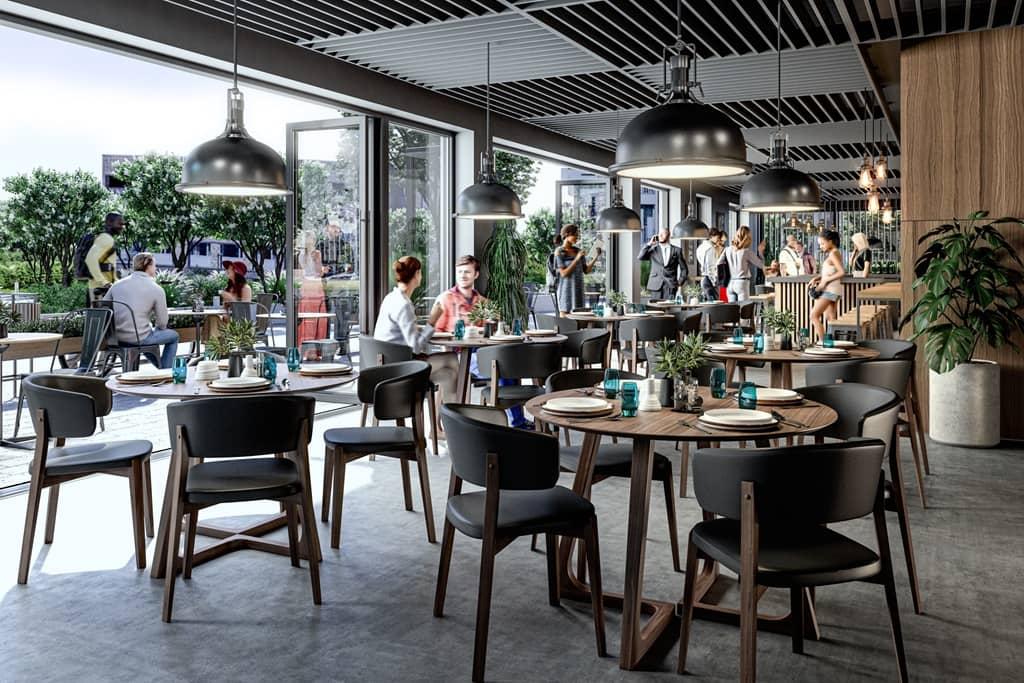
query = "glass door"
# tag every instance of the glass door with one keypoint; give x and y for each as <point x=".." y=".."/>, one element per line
<point x="327" y="274"/>
<point x="580" y="202"/>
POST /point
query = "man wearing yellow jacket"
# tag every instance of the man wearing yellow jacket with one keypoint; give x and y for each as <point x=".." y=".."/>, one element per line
<point x="101" y="259"/>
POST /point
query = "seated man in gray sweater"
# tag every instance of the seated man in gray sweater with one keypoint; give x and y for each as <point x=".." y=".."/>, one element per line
<point x="146" y="299"/>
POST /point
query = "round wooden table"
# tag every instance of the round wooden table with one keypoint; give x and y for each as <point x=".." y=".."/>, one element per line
<point x="644" y="429"/>
<point x="200" y="318"/>
<point x="781" y="362"/>
<point x="21" y="339"/>
<point x="465" y="348"/>
<point x="231" y="538"/>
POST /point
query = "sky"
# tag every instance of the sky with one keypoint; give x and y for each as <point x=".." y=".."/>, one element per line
<point x="67" y="104"/>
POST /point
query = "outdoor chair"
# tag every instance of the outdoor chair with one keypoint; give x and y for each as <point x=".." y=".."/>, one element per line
<point x="128" y="355"/>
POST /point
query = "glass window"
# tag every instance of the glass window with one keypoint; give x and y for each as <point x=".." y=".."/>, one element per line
<point x="580" y="202"/>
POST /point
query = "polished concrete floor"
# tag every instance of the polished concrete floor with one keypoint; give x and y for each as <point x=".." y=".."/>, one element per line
<point x="87" y="613"/>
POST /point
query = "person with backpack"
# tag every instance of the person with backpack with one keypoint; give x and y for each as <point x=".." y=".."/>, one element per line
<point x="96" y="258"/>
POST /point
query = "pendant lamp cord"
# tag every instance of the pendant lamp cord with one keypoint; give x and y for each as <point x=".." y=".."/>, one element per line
<point x="679" y="21"/>
<point x="234" y="44"/>
<point x="778" y="51"/>
<point x="488" y="100"/>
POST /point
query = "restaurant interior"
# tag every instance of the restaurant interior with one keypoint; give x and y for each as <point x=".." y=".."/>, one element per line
<point x="702" y="317"/>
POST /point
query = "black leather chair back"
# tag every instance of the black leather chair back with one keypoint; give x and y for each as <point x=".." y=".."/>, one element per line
<point x="722" y="313"/>
<point x="687" y="322"/>
<point x="243" y="310"/>
<point x="583" y="379"/>
<point x="520" y="361"/>
<point x="855" y="403"/>
<point x="395" y="389"/>
<point x="588" y="345"/>
<point x="72" y="402"/>
<point x="370" y="349"/>
<point x="891" y="349"/>
<point x="241" y="426"/>
<point x="649" y="329"/>
<point x="96" y="323"/>
<point x="799" y="485"/>
<point x="527" y="461"/>
<point x="890" y="374"/>
<point x="554" y="322"/>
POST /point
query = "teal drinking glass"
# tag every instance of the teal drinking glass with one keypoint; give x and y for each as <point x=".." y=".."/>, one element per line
<point x="611" y="383"/>
<point x="829" y="341"/>
<point x="180" y="371"/>
<point x="718" y="382"/>
<point x="460" y="328"/>
<point x="737" y="335"/>
<point x="294" y="359"/>
<point x="269" y="368"/>
<point x="759" y="343"/>
<point x="748" y="396"/>
<point x="630" y="399"/>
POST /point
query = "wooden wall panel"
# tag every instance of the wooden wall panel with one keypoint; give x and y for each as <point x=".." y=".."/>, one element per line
<point x="962" y="111"/>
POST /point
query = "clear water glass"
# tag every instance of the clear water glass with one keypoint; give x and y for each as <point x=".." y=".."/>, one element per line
<point x="294" y="359"/>
<point x="718" y="382"/>
<point x="748" y="396"/>
<point x="611" y="382"/>
<point x="630" y="399"/>
<point x="180" y="370"/>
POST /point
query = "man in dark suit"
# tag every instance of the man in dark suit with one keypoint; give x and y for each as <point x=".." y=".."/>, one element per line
<point x="668" y="268"/>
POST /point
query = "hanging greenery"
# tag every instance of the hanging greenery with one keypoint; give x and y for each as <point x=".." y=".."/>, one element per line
<point x="505" y="260"/>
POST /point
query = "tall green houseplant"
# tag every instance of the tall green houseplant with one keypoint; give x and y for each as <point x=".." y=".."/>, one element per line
<point x="505" y="260"/>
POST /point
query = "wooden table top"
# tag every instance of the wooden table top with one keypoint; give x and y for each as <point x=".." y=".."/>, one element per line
<point x="767" y="296"/>
<point x="609" y="318"/>
<point x="302" y="315"/>
<point x="778" y="356"/>
<point x="477" y="342"/>
<point x="889" y="291"/>
<point x="297" y="384"/>
<point x="668" y="425"/>
<point x="672" y="304"/>
<point x="29" y="338"/>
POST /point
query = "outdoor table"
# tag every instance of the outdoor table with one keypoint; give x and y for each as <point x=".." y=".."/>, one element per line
<point x="644" y="429"/>
<point x="20" y="339"/>
<point x="781" y="362"/>
<point x="465" y="348"/>
<point x="199" y="318"/>
<point x="231" y="539"/>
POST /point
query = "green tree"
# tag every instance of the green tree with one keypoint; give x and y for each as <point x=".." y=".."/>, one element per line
<point x="46" y="215"/>
<point x="539" y="235"/>
<point x="517" y="172"/>
<point x="159" y="217"/>
<point x="256" y="225"/>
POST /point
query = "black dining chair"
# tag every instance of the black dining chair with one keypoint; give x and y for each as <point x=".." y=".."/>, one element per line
<point x="891" y="374"/>
<point x="516" y="361"/>
<point x="519" y="472"/>
<point x="586" y="347"/>
<point x="635" y="335"/>
<point x="554" y="322"/>
<point x="872" y="412"/>
<point x="127" y="354"/>
<point x="67" y="407"/>
<point x="687" y="322"/>
<point x="721" y="316"/>
<point x="616" y="459"/>
<point x="774" y="506"/>
<point x="240" y="434"/>
<point x="899" y="349"/>
<point x="396" y="392"/>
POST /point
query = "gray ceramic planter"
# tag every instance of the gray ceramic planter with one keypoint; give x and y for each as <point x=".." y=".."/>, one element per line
<point x="963" y="405"/>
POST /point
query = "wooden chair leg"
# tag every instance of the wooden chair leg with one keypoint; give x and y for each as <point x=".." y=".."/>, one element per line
<point x="533" y="543"/>
<point x="483" y="607"/>
<point x="147" y="493"/>
<point x="552" y="560"/>
<point x="673" y="531"/>
<point x="308" y="534"/>
<point x="191" y="528"/>
<point x="687" y="612"/>
<point x="338" y="497"/>
<point x="31" y="515"/>
<point x="899" y="499"/>
<point x="325" y="504"/>
<point x="434" y="423"/>
<point x="135" y="489"/>
<point x="684" y="468"/>
<point x="173" y="540"/>
<point x="918" y="466"/>
<point x="889" y="583"/>
<point x="581" y="561"/>
<point x="51" y="513"/>
<point x="796" y="614"/>
<point x="428" y="507"/>
<point x="596" y="594"/>
<point x="362" y="414"/>
<point x="291" y="514"/>
<point x="447" y="543"/>
<point x="565" y="433"/>
<point x="918" y="422"/>
<point x="403" y="463"/>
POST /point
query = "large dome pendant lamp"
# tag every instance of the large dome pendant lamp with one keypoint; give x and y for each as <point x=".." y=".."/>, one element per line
<point x="681" y="138"/>
<point x="691" y="227"/>
<point x="488" y="199"/>
<point x="780" y="188"/>
<point x="234" y="164"/>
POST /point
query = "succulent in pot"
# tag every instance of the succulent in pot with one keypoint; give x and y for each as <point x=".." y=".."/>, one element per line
<point x="677" y="360"/>
<point x="8" y="317"/>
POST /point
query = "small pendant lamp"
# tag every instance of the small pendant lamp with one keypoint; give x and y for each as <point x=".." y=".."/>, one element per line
<point x="618" y="217"/>
<point x="691" y="227"/>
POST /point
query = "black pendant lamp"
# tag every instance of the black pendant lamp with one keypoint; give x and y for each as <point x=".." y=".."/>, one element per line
<point x="618" y="217"/>
<point x="234" y="164"/>
<point x="691" y="227"/>
<point x="780" y="187"/>
<point x="681" y="138"/>
<point x="488" y="199"/>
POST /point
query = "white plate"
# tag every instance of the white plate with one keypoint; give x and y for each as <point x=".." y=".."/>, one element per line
<point x="583" y="313"/>
<point x="582" y="404"/>
<point x="324" y="368"/>
<point x="839" y="344"/>
<point x="541" y="333"/>
<point x="240" y="383"/>
<point x="738" y="417"/>
<point x="726" y="348"/>
<point x="637" y="315"/>
<point x="769" y="394"/>
<point x="822" y="351"/>
<point x="223" y="364"/>
<point x="145" y="375"/>
<point x="441" y="335"/>
<point x="507" y="337"/>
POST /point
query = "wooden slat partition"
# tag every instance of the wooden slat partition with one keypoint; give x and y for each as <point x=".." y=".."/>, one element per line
<point x="962" y="134"/>
<point x="791" y="295"/>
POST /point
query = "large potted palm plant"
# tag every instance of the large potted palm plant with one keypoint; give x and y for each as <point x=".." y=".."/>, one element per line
<point x="505" y="259"/>
<point x="970" y="283"/>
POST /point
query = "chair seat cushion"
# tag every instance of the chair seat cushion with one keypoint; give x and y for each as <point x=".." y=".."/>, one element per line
<point x="812" y="556"/>
<point x="613" y="460"/>
<point x="93" y="457"/>
<point x="556" y="510"/>
<point x="241" y="479"/>
<point x="372" y="439"/>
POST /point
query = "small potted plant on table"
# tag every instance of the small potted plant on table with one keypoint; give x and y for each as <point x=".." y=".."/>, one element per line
<point x="782" y="324"/>
<point x="484" y="314"/>
<point x="617" y="300"/>
<point x="236" y="340"/>
<point x="677" y="360"/>
<point x="8" y="317"/>
<point x="692" y="293"/>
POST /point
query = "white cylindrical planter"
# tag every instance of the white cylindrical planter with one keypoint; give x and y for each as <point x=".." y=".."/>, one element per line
<point x="963" y="405"/>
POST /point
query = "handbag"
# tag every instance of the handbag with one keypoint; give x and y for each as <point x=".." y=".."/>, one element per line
<point x="723" y="275"/>
<point x="813" y="291"/>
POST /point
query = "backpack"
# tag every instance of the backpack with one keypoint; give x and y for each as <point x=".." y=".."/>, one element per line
<point x="552" y="268"/>
<point x="81" y="251"/>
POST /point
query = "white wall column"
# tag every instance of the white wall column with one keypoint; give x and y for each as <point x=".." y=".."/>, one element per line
<point x="628" y="245"/>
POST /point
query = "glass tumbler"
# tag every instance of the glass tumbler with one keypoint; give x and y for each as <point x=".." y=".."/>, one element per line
<point x="828" y="341"/>
<point x="611" y="383"/>
<point x="460" y="328"/>
<point x="718" y="382"/>
<point x="748" y="396"/>
<point x="294" y="359"/>
<point x="630" y="399"/>
<point x="759" y="343"/>
<point x="269" y="368"/>
<point x="737" y="335"/>
<point x="180" y="371"/>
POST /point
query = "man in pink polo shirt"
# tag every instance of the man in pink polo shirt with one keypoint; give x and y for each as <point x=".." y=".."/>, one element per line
<point x="456" y="302"/>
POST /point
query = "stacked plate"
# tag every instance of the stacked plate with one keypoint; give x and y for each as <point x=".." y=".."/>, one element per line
<point x="726" y="348"/>
<point x="637" y="315"/>
<point x="150" y="376"/>
<point x="239" y="385"/>
<point x="223" y="364"/>
<point x="824" y="352"/>
<point x="738" y="419"/>
<point x="777" y="397"/>
<point x="324" y="369"/>
<point x="587" y="312"/>
<point x="840" y="344"/>
<point x="507" y="337"/>
<point x="541" y="333"/>
<point x="441" y="335"/>
<point x="206" y="370"/>
<point x="582" y="405"/>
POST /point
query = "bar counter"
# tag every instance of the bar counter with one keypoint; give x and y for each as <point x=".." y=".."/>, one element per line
<point x="791" y="294"/>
